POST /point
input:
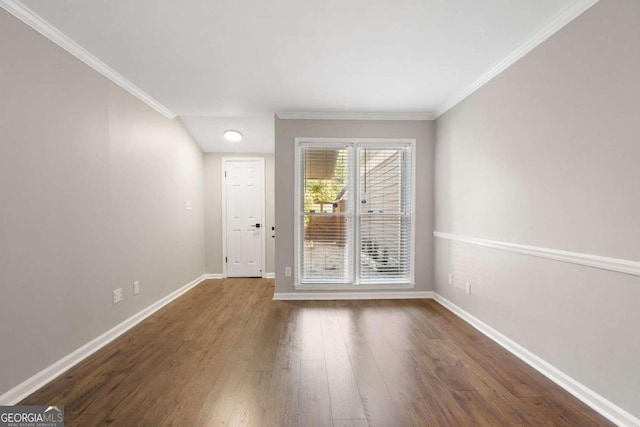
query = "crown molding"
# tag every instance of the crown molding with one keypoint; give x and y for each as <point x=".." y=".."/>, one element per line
<point x="294" y="115"/>
<point x="565" y="16"/>
<point x="33" y="20"/>
<point x="605" y="263"/>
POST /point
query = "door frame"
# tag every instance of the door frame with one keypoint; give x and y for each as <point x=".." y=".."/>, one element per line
<point x="223" y="205"/>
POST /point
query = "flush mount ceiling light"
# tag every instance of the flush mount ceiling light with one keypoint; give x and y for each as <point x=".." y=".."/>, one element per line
<point x="232" y="135"/>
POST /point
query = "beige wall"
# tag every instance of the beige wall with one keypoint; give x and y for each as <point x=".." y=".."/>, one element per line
<point x="213" y="210"/>
<point x="93" y="185"/>
<point x="288" y="130"/>
<point x="547" y="155"/>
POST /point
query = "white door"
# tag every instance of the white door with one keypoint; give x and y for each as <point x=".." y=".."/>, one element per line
<point x="244" y="194"/>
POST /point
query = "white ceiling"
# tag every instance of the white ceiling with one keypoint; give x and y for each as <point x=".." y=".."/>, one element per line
<point x="218" y="60"/>
<point x="257" y="132"/>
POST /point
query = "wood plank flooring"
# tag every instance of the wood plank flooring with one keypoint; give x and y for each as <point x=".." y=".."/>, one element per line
<point x="226" y="354"/>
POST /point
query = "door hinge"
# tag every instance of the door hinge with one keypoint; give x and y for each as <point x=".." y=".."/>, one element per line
<point x="225" y="259"/>
<point x="225" y="174"/>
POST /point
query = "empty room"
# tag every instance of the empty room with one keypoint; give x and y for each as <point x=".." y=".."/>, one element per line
<point x="320" y="213"/>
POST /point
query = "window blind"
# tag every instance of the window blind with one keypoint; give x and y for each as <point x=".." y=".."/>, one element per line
<point x="384" y="215"/>
<point x="355" y="213"/>
<point x="326" y="214"/>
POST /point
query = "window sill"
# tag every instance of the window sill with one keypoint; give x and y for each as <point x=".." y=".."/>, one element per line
<point x="352" y="287"/>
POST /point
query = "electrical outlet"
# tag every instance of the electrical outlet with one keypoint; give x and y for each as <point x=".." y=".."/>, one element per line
<point x="117" y="295"/>
<point x="287" y="271"/>
<point x="468" y="288"/>
<point x="136" y="287"/>
<point x="187" y="205"/>
<point x="451" y="278"/>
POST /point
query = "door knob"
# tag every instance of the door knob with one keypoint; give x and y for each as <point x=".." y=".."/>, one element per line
<point x="257" y="225"/>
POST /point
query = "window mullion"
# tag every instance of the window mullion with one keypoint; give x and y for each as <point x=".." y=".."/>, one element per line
<point x="356" y="214"/>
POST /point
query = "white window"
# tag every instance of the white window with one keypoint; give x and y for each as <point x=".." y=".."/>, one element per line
<point x="354" y="208"/>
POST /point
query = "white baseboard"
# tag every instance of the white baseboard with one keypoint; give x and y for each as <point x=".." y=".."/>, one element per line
<point x="269" y="275"/>
<point x="382" y="287"/>
<point x="212" y="276"/>
<point x="605" y="407"/>
<point x="48" y="374"/>
<point x="600" y="404"/>
<point x="306" y="296"/>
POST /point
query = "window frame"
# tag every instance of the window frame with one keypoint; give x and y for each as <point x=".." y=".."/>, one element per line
<point x="355" y="164"/>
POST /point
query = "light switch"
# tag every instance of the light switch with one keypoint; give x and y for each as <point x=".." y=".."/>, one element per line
<point x="187" y="205"/>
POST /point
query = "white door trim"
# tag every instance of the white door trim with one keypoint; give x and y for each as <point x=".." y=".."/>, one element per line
<point x="223" y="206"/>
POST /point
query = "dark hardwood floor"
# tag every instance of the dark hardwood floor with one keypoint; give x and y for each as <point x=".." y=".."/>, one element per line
<point x="226" y="354"/>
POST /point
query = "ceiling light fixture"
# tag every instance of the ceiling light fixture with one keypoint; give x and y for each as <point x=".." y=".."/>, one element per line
<point x="232" y="135"/>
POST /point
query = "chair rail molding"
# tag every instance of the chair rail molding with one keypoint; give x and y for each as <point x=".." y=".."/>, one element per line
<point x="605" y="263"/>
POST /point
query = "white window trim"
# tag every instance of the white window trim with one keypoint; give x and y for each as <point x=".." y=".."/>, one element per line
<point x="297" y="232"/>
